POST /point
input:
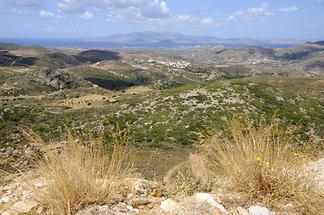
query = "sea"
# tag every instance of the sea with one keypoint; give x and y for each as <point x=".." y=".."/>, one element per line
<point x="81" y="43"/>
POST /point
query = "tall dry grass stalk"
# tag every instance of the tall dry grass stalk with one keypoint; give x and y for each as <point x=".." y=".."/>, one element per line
<point x="261" y="165"/>
<point x="81" y="173"/>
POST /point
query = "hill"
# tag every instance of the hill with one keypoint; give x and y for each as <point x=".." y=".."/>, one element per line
<point x="318" y="43"/>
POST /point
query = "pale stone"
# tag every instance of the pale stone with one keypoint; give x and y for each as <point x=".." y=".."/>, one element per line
<point x="22" y="207"/>
<point x="26" y="195"/>
<point x="10" y="186"/>
<point x="4" y="199"/>
<point x="169" y="205"/>
<point x="242" y="211"/>
<point x="208" y="198"/>
<point x="259" y="210"/>
<point x="39" y="185"/>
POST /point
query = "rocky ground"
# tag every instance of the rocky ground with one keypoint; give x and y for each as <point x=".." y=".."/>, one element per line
<point x="147" y="197"/>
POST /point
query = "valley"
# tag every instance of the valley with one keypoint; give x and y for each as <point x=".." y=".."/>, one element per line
<point x="166" y="96"/>
<point x="169" y="100"/>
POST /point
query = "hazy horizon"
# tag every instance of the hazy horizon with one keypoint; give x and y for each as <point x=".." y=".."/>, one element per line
<point x="171" y="32"/>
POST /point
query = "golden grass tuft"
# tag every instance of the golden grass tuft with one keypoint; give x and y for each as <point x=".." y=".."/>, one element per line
<point x="81" y="173"/>
<point x="261" y="165"/>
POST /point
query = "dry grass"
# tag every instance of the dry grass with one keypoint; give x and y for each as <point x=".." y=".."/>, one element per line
<point x="81" y="173"/>
<point x="189" y="177"/>
<point x="261" y="166"/>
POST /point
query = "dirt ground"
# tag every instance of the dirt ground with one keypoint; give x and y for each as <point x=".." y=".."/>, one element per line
<point x="87" y="101"/>
<point x="98" y="100"/>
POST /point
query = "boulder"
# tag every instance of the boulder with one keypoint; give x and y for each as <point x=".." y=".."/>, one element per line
<point x="208" y="198"/>
<point x="259" y="210"/>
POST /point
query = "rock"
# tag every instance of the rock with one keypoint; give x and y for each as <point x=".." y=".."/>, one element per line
<point x="118" y="209"/>
<point x="169" y="205"/>
<point x="89" y="210"/>
<point x="242" y="211"/>
<point x="10" y="187"/>
<point x="56" y="79"/>
<point x="39" y="185"/>
<point x="157" y="193"/>
<point x="15" y="152"/>
<point x="104" y="210"/>
<point x="289" y="207"/>
<point x="130" y="195"/>
<point x="123" y="209"/>
<point x="4" y="199"/>
<point x="22" y="207"/>
<point x="142" y="187"/>
<point x="137" y="202"/>
<point x="259" y="210"/>
<point x="208" y="198"/>
<point x="26" y="195"/>
<point x="116" y="198"/>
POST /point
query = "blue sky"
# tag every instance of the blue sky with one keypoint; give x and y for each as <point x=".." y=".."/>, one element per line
<point x="272" y="19"/>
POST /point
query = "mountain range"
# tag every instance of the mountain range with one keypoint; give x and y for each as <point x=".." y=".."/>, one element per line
<point x="150" y="37"/>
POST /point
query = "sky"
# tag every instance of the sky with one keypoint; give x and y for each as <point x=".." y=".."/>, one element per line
<point x="272" y="19"/>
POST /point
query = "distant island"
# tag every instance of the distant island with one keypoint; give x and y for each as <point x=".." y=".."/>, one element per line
<point x="150" y="39"/>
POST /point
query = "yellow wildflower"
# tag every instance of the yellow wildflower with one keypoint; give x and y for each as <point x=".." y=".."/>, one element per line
<point x="258" y="159"/>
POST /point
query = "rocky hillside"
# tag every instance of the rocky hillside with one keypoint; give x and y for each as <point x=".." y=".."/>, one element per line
<point x="170" y="108"/>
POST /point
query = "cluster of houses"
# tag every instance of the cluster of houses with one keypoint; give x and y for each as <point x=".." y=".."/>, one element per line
<point x="175" y="65"/>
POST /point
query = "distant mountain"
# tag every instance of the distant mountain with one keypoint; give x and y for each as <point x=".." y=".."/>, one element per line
<point x="319" y="43"/>
<point x="181" y="39"/>
<point x="148" y="39"/>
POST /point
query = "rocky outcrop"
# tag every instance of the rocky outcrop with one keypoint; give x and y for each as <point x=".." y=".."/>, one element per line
<point x="56" y="79"/>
